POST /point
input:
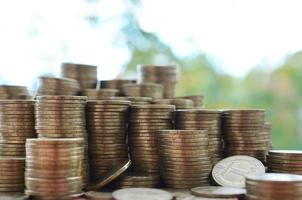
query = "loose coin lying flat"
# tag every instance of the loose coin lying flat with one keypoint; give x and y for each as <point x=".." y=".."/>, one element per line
<point x="218" y="192"/>
<point x="92" y="195"/>
<point x="141" y="193"/>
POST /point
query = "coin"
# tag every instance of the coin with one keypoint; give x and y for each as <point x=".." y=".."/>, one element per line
<point x="141" y="193"/>
<point x="92" y="195"/>
<point x="218" y="192"/>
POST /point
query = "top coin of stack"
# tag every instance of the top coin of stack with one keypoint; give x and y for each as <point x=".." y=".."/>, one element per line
<point x="86" y="75"/>
<point x="135" y="100"/>
<point x="100" y="94"/>
<point x="197" y="99"/>
<point x="244" y="133"/>
<point x="282" y="161"/>
<point x="143" y="90"/>
<point x="179" y="103"/>
<point x="116" y="84"/>
<point x="274" y="186"/>
<point x="165" y="75"/>
<point x="57" y="86"/>
<point x="14" y="92"/>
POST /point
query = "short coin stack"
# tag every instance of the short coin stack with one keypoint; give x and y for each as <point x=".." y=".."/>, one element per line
<point x="107" y="128"/>
<point x="285" y="161"/>
<point x="143" y="90"/>
<point x="17" y="123"/>
<point x="100" y="94"/>
<point x="12" y="174"/>
<point x="144" y="122"/>
<point x="14" y="92"/>
<point x="274" y="186"/>
<point x="130" y="179"/>
<point x="185" y="159"/>
<point x="203" y="119"/>
<point x="135" y="100"/>
<point x="167" y="76"/>
<point x="197" y="99"/>
<point x="244" y="133"/>
<point x="179" y="103"/>
<point x="57" y="86"/>
<point x="116" y="84"/>
<point x="86" y="75"/>
<point x="54" y="168"/>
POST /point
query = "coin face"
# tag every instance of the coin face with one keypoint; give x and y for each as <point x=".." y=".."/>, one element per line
<point x="218" y="192"/>
<point x="141" y="193"/>
<point x="231" y="171"/>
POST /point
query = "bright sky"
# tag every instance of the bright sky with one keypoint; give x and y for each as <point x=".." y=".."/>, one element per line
<point x="36" y="36"/>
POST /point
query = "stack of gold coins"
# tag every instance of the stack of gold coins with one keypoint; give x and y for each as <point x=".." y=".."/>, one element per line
<point x="17" y="123"/>
<point x="185" y="159"/>
<point x="202" y="119"/>
<point x="12" y="174"/>
<point x="136" y="179"/>
<point x="179" y="103"/>
<point x="285" y="161"/>
<point x="244" y="134"/>
<point x="54" y="168"/>
<point x="167" y="76"/>
<point x="14" y="92"/>
<point x="116" y="84"/>
<point x="86" y="75"/>
<point x="135" y="100"/>
<point x="197" y="99"/>
<point x="57" y="86"/>
<point x="274" y="186"/>
<point x="143" y="90"/>
<point x="100" y="94"/>
<point x="107" y="131"/>
<point x="144" y="122"/>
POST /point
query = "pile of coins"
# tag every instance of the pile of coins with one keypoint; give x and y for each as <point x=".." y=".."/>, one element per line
<point x="57" y="86"/>
<point x="167" y="76"/>
<point x="203" y="119"/>
<point x="130" y="180"/>
<point x="197" y="99"/>
<point x="107" y="128"/>
<point x="244" y="133"/>
<point x="184" y="158"/>
<point x="12" y="174"/>
<point x="100" y="94"/>
<point x="17" y="123"/>
<point x="54" y="168"/>
<point x="179" y="103"/>
<point x="274" y="186"/>
<point x="285" y="161"/>
<point x="143" y="90"/>
<point x="116" y="84"/>
<point x="135" y="100"/>
<point x="144" y="122"/>
<point x="86" y="75"/>
<point x="14" y="92"/>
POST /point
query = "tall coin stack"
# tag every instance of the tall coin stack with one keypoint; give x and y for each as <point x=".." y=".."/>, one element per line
<point x="202" y="119"/>
<point x="179" y="103"/>
<point x="274" y="186"/>
<point x="17" y="123"/>
<point x="144" y="122"/>
<point x="285" y="161"/>
<point x="185" y="159"/>
<point x="135" y="100"/>
<point x="100" y="94"/>
<point x="197" y="99"/>
<point x="167" y="76"/>
<point x="143" y="90"/>
<point x="54" y="168"/>
<point x="107" y="128"/>
<point x="12" y="174"/>
<point x="14" y="92"/>
<point x="57" y="86"/>
<point x="244" y="133"/>
<point x="116" y="84"/>
<point x="86" y="75"/>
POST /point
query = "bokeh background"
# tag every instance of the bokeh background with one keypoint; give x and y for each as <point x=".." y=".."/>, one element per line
<point x="239" y="53"/>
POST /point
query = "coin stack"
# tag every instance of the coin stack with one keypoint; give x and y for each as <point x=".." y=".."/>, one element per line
<point x="54" y="168"/>
<point x="144" y="122"/>
<point x="135" y="179"/>
<point x="244" y="133"/>
<point x="107" y="131"/>
<point x="274" y="186"/>
<point x="167" y="76"/>
<point x="17" y="123"/>
<point x="100" y="94"/>
<point x="86" y="75"/>
<point x="12" y="174"/>
<point x="179" y="103"/>
<point x="202" y="119"/>
<point x="14" y="92"/>
<point x="197" y="99"/>
<point x="116" y="84"/>
<point x="135" y="100"/>
<point x="285" y="161"/>
<point x="185" y="159"/>
<point x="57" y="86"/>
<point x="143" y="90"/>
